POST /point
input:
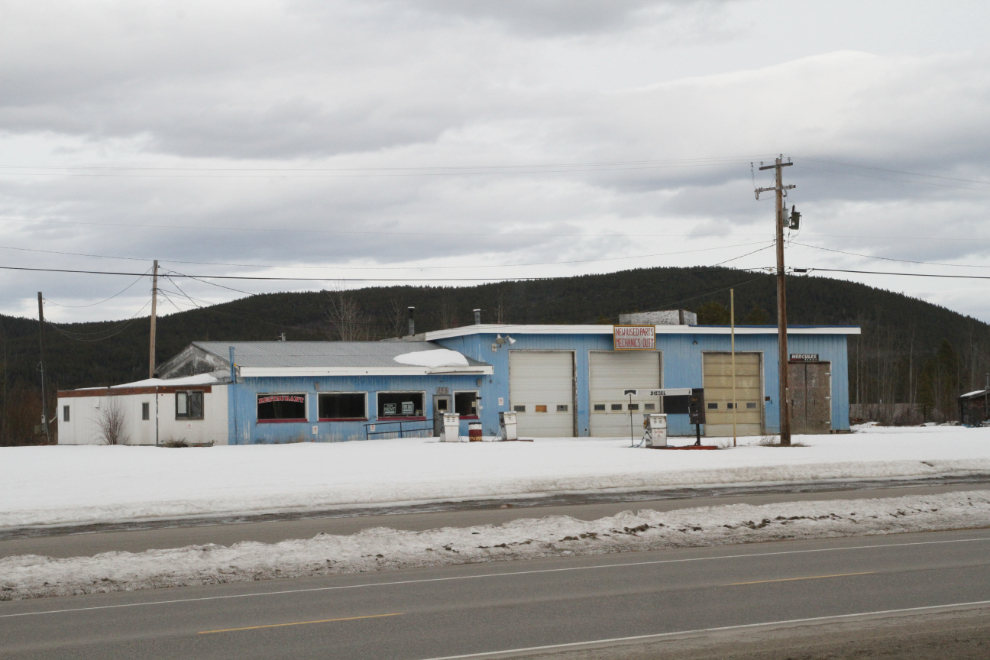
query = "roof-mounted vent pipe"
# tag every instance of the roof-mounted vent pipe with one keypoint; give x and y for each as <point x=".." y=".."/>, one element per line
<point x="412" y="321"/>
<point x="477" y="317"/>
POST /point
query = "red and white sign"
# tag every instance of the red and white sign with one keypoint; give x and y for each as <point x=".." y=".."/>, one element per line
<point x="282" y="397"/>
<point x="634" y="338"/>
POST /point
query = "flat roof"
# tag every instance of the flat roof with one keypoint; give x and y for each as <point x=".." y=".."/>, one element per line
<point x="495" y="328"/>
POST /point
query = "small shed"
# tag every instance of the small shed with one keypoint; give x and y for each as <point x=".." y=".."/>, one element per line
<point x="973" y="408"/>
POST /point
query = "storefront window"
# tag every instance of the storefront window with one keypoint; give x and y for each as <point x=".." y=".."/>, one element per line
<point x="400" y="404"/>
<point x="281" y="407"/>
<point x="342" y="405"/>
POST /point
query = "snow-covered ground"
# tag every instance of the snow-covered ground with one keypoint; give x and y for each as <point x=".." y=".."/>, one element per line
<point x="28" y="576"/>
<point x="92" y="484"/>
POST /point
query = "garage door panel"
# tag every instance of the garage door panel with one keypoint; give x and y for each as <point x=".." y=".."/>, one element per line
<point x="717" y="368"/>
<point x="610" y="373"/>
<point x="541" y="391"/>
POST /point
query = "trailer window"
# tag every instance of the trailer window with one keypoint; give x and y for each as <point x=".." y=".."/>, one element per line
<point x="145" y="411"/>
<point x="281" y="407"/>
<point x="65" y="413"/>
<point x="342" y="405"/>
<point x="400" y="404"/>
<point x="189" y="405"/>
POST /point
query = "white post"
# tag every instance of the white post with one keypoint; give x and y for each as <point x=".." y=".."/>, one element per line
<point x="732" y="332"/>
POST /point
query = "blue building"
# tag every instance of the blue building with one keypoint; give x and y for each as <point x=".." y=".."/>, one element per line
<point x="561" y="380"/>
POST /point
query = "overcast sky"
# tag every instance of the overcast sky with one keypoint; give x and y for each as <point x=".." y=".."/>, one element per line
<point x="438" y="139"/>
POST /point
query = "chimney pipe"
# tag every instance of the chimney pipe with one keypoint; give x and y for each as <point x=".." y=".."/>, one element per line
<point x="477" y="317"/>
<point x="412" y="321"/>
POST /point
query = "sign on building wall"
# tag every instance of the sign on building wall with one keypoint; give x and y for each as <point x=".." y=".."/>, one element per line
<point x="804" y="357"/>
<point x="634" y="337"/>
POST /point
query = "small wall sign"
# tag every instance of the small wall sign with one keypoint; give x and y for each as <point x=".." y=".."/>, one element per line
<point x="634" y="337"/>
<point x="443" y="390"/>
<point x="804" y="357"/>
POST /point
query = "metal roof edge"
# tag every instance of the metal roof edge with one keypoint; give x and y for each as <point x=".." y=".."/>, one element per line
<point x="489" y="328"/>
<point x="275" y="372"/>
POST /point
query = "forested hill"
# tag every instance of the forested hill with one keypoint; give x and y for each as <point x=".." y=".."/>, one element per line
<point x="901" y="334"/>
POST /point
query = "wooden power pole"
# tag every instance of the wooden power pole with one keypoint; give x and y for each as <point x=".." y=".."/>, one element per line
<point x="783" y="396"/>
<point x="41" y="368"/>
<point x="154" y="309"/>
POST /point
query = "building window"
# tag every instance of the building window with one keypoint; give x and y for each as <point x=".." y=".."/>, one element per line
<point x="562" y="408"/>
<point x="337" y="406"/>
<point x="633" y="406"/>
<point x="600" y="407"/>
<point x="517" y="409"/>
<point x="400" y="404"/>
<point x="750" y="405"/>
<point x="649" y="406"/>
<point x="713" y="406"/>
<point x="189" y="405"/>
<point x="466" y="404"/>
<point x="145" y="411"/>
<point x="541" y="409"/>
<point x="616" y="406"/>
<point x="281" y="407"/>
<point x="65" y="413"/>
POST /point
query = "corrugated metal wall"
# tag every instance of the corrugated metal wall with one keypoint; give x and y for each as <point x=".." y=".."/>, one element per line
<point x="681" y="363"/>
<point x="244" y="427"/>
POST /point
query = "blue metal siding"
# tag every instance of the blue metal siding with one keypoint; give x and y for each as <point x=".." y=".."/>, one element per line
<point x="681" y="360"/>
<point x="243" y="422"/>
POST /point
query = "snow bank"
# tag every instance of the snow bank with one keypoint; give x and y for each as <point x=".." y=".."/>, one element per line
<point x="441" y="357"/>
<point x="62" y="485"/>
<point x="29" y="576"/>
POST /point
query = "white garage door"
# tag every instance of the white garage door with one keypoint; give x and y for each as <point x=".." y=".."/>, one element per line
<point x="541" y="391"/>
<point x="718" y="394"/>
<point x="611" y="374"/>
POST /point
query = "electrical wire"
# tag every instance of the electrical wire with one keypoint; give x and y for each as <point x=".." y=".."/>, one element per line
<point x="884" y="169"/>
<point x="428" y="170"/>
<point x="877" y="272"/>
<point x="140" y="277"/>
<point x="906" y="261"/>
<point x="472" y="266"/>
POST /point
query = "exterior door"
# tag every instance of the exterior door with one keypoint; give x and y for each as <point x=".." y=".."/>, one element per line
<point x="541" y="392"/>
<point x="810" y="385"/>
<point x="441" y="403"/>
<point x="611" y="373"/>
<point x="718" y="394"/>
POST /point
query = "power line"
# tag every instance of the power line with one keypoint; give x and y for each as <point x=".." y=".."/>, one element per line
<point x="433" y="233"/>
<point x="52" y="302"/>
<point x="877" y="272"/>
<point x="471" y="266"/>
<point x="906" y="261"/>
<point x="887" y="178"/>
<point x="884" y="169"/>
<point x="424" y="170"/>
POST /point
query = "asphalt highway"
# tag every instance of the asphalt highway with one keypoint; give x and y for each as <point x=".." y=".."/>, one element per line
<point x="529" y="608"/>
<point x="72" y="542"/>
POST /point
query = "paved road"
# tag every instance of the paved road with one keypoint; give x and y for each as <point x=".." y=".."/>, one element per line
<point x="548" y="606"/>
<point x="77" y="544"/>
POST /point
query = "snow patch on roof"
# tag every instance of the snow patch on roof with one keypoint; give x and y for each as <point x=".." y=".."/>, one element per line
<point x="441" y="357"/>
<point x="198" y="379"/>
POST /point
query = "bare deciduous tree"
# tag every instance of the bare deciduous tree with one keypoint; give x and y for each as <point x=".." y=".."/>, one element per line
<point x="111" y="422"/>
<point x="344" y="318"/>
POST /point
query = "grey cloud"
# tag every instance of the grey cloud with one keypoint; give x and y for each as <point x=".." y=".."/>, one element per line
<point x="564" y="17"/>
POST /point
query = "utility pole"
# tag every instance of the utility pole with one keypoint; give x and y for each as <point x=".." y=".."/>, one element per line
<point x="154" y="310"/>
<point x="783" y="396"/>
<point x="41" y="367"/>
